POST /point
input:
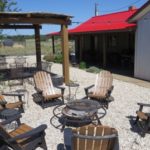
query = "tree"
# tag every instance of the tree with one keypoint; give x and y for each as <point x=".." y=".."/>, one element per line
<point x="8" y="5"/>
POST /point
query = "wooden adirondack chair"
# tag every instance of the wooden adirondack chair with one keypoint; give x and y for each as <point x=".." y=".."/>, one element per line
<point x="18" y="104"/>
<point x="44" y="87"/>
<point x="23" y="137"/>
<point x="92" y="138"/>
<point x="102" y="88"/>
<point x="143" y="119"/>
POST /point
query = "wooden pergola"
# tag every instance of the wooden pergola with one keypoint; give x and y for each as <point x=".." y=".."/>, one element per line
<point x="34" y="20"/>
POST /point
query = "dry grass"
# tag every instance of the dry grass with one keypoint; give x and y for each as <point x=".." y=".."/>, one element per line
<point x="27" y="49"/>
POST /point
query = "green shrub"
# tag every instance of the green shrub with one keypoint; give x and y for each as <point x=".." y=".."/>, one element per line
<point x="93" y="69"/>
<point x="49" y="57"/>
<point x="58" y="58"/>
<point x="82" y="65"/>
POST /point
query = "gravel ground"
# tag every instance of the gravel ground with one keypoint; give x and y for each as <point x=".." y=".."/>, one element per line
<point x="119" y="115"/>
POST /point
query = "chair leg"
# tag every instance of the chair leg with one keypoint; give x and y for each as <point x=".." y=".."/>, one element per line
<point x="137" y="119"/>
<point x="146" y="127"/>
<point x="43" y="144"/>
<point x="42" y="103"/>
<point x="63" y="99"/>
<point x="21" y="107"/>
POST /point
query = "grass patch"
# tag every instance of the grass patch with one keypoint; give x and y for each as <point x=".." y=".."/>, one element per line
<point x="94" y="69"/>
<point x="27" y="49"/>
<point x="82" y="65"/>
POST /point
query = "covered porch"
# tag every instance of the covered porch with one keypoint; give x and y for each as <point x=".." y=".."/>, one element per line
<point x="109" y="50"/>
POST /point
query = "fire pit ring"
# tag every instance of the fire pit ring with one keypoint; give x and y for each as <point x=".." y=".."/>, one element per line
<point x="78" y="112"/>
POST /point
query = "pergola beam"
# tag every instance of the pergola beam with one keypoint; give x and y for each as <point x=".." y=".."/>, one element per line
<point x="34" y="20"/>
<point x="6" y="26"/>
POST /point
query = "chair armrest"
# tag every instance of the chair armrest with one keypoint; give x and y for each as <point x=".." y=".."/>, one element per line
<point x="30" y="133"/>
<point x="142" y="104"/>
<point x="13" y="118"/>
<point x="13" y="94"/>
<point x="68" y="135"/>
<point x="62" y="89"/>
<point x="38" y="90"/>
<point x="87" y="88"/>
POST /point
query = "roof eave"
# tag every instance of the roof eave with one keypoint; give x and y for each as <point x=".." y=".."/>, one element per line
<point x="105" y="31"/>
<point x="141" y="12"/>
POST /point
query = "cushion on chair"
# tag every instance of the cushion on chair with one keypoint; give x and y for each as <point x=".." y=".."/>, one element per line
<point x="14" y="105"/>
<point x="20" y="130"/>
<point x="101" y="95"/>
<point x="50" y="97"/>
<point x="2" y="100"/>
<point x="142" y="115"/>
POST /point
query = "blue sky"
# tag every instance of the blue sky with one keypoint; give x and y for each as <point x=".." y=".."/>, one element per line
<point x="81" y="10"/>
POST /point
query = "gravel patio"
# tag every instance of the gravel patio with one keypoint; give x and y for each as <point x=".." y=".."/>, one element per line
<point x="120" y="113"/>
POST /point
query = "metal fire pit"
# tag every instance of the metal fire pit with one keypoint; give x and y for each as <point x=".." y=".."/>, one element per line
<point x="78" y="113"/>
<point x="80" y="109"/>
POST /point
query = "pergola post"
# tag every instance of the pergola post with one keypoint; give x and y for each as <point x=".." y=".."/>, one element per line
<point x="38" y="46"/>
<point x="53" y="44"/>
<point x="65" y="52"/>
<point x="104" y="50"/>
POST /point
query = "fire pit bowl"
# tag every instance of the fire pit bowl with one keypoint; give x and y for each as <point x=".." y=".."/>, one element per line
<point x="77" y="113"/>
<point x="83" y="105"/>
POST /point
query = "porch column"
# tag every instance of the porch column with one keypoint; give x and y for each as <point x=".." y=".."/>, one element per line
<point x="53" y="44"/>
<point x="38" y="46"/>
<point x="80" y="47"/>
<point x="65" y="52"/>
<point x="104" y="50"/>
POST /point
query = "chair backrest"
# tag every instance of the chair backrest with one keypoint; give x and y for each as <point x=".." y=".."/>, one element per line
<point x="103" y="83"/>
<point x="44" y="83"/>
<point x="3" y="63"/>
<point x="94" y="138"/>
<point x="2" y="59"/>
<point x="16" y="70"/>
<point x="20" y="60"/>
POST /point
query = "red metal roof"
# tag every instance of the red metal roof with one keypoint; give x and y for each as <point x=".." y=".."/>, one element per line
<point x="102" y="23"/>
<point x="114" y="21"/>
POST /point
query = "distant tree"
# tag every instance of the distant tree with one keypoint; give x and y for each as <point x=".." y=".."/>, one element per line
<point x="8" y="5"/>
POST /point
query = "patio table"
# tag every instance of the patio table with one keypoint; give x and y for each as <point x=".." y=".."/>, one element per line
<point x="72" y="94"/>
